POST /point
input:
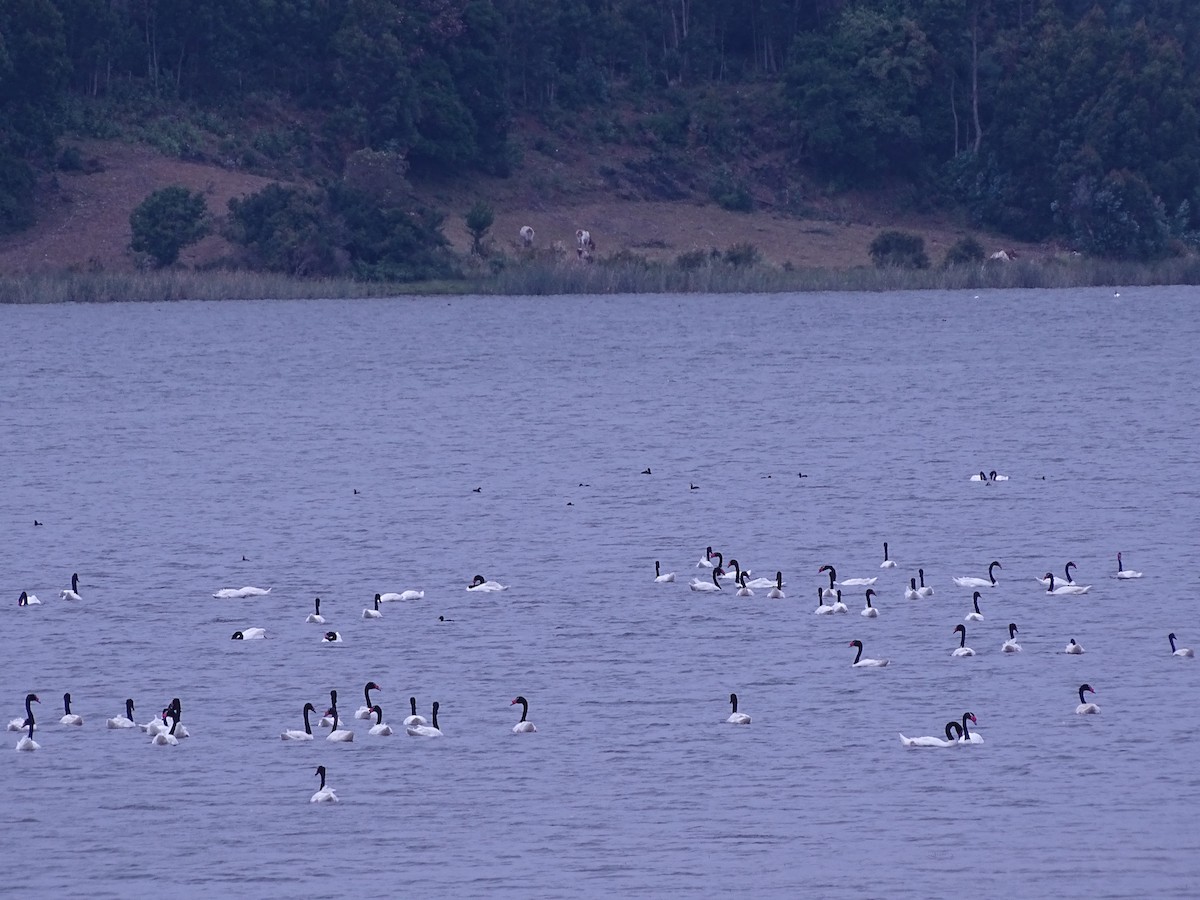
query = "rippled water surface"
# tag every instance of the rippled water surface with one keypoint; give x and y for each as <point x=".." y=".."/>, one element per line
<point x="337" y="447"/>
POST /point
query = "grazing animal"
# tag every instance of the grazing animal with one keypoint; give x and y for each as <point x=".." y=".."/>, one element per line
<point x="527" y="234"/>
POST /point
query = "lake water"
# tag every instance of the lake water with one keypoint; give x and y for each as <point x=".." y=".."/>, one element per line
<point x="161" y="444"/>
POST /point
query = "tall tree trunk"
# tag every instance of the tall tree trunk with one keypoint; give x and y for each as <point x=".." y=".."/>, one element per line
<point x="975" y="77"/>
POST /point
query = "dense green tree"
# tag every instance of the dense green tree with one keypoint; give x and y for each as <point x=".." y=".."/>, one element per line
<point x="167" y="221"/>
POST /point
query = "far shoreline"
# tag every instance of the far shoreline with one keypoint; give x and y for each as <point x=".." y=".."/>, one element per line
<point x="623" y="276"/>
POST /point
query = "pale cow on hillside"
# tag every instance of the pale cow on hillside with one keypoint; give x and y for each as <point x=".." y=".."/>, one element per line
<point x="527" y="235"/>
<point x="583" y="241"/>
<point x="1004" y="255"/>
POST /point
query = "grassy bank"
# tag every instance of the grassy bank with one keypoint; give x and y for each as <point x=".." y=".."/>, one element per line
<point x="625" y="275"/>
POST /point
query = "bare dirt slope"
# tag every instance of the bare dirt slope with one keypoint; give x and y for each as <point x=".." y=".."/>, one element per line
<point x="84" y="217"/>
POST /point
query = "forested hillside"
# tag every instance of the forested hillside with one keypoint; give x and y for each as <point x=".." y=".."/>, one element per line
<point x="1072" y="119"/>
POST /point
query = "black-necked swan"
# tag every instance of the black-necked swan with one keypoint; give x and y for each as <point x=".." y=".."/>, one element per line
<point x="125" y="721"/>
<point x="325" y="794"/>
<point x="831" y="590"/>
<point x="479" y="583"/>
<point x="327" y="719"/>
<point x="331" y="637"/>
<point x="27" y="742"/>
<point x="338" y="735"/>
<point x="735" y="717"/>
<point x="27" y="599"/>
<point x="994" y="477"/>
<point x="1182" y="651"/>
<point x="776" y="593"/>
<point x="968" y="736"/>
<point x="887" y="563"/>
<point x="1123" y="572"/>
<point x="364" y="711"/>
<point x="924" y="590"/>
<point x="982" y="476"/>
<point x="910" y="592"/>
<point x="744" y="591"/>
<point x="861" y="663"/>
<point x="249" y="634"/>
<point x="380" y="728"/>
<point x="524" y="726"/>
<point x="869" y="611"/>
<point x="972" y="582"/>
<point x="426" y="731"/>
<point x="975" y="615"/>
<point x="1044" y="581"/>
<point x="1073" y="648"/>
<point x="847" y="582"/>
<point x="1084" y="708"/>
<point x="705" y="561"/>
<point x="962" y="649"/>
<point x="414" y="719"/>
<point x="155" y="725"/>
<point x="822" y="609"/>
<point x="72" y="593"/>
<point x="708" y="586"/>
<point x="931" y="741"/>
<point x="1011" y="645"/>
<point x="315" y="617"/>
<point x="1062" y="589"/>
<point x="167" y="738"/>
<point x="22" y="723"/>
<point x="373" y="613"/>
<point x="838" y="605"/>
<point x="662" y="577"/>
<point x="69" y="718"/>
<point x="294" y="734"/>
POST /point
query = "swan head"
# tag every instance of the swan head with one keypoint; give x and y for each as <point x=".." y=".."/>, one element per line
<point x="857" y="644"/>
<point x="971" y="716"/>
<point x="996" y="563"/>
<point x="308" y="707"/>
<point x="960" y="627"/>
<point x="1085" y="688"/>
<point x="870" y="593"/>
<point x="1012" y="630"/>
<point x="520" y="700"/>
<point x="436" y="707"/>
<point x="477" y="580"/>
<point x="237" y="636"/>
<point x="331" y="636"/>
<point x="377" y="597"/>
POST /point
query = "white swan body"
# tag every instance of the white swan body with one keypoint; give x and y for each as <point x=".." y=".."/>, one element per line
<point x="28" y="744"/>
<point x="479" y="583"/>
<point x="968" y="581"/>
<point x="1181" y="651"/>
<point x="338" y="735"/>
<point x="838" y="605"/>
<point x="125" y="721"/>
<point x="858" y="582"/>
<point x="744" y="591"/>
<point x="414" y="719"/>
<point x="705" y="562"/>
<point x="1011" y="645"/>
<point x="931" y="741"/>
<point x="763" y="582"/>
<point x="708" y="586"/>
<point x="1073" y="648"/>
<point x="524" y="726"/>
<point x="293" y="734"/>
<point x="868" y="663"/>
<point x="27" y="599"/>
<point x="331" y="637"/>
<point x="924" y="590"/>
<point x="380" y="728"/>
<point x="735" y="717"/>
<point x="822" y="609"/>
<point x="910" y="592"/>
<point x="962" y="649"/>
<point x="250" y="634"/>
<point x="166" y="737"/>
<point x="240" y="593"/>
<point x="373" y="613"/>
<point x="662" y="577"/>
<point x="426" y="731"/>
<point x="1062" y="589"/>
<point x="887" y="563"/>
<point x="69" y="718"/>
<point x="364" y="712"/>
<point x="403" y="595"/>
<point x="1084" y="708"/>
<point x="1124" y="573"/>
<point x="72" y="593"/>
<point x="325" y="794"/>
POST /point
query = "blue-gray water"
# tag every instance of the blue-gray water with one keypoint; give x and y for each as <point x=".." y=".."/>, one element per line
<point x="159" y="444"/>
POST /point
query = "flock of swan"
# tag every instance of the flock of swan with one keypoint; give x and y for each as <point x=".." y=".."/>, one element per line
<point x="957" y="732"/>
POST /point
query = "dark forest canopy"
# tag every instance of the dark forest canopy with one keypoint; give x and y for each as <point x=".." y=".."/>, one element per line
<point x="1074" y="118"/>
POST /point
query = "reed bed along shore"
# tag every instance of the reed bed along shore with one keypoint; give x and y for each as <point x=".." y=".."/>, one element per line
<point x="623" y="275"/>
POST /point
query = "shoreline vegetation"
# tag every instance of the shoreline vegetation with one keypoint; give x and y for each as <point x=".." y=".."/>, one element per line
<point x="623" y="275"/>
